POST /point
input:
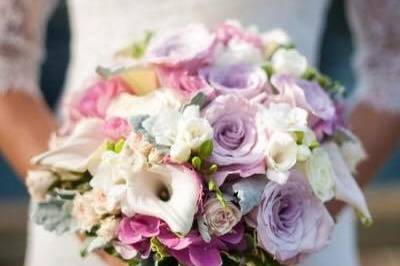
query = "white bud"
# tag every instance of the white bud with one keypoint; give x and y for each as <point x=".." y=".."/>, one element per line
<point x="180" y="152"/>
<point x="289" y="62"/>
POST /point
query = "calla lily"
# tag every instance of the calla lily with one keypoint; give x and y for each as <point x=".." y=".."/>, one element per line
<point x="168" y="192"/>
<point x="76" y="151"/>
<point x="346" y="186"/>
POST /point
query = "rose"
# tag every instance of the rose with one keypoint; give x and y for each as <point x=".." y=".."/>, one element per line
<point x="220" y="219"/>
<point x="84" y="212"/>
<point x="96" y="99"/>
<point x="116" y="128"/>
<point x="108" y="228"/>
<point x="182" y="80"/>
<point x="243" y="79"/>
<point x="320" y="174"/>
<point x="233" y="30"/>
<point x="289" y="61"/>
<point x="281" y="155"/>
<point x="291" y="221"/>
<point x="238" y="137"/>
<point x="39" y="182"/>
<point x="189" y="46"/>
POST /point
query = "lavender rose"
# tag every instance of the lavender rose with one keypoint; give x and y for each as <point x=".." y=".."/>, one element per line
<point x="238" y="138"/>
<point x="291" y="221"/>
<point x="190" y="44"/>
<point x="241" y="79"/>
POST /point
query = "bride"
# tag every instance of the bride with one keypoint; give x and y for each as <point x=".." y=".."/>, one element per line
<point x="101" y="27"/>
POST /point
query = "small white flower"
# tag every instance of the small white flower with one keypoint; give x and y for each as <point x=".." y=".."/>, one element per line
<point x="281" y="156"/>
<point x="238" y="52"/>
<point x="276" y="36"/>
<point x="320" y="174"/>
<point x="108" y="228"/>
<point x="289" y="62"/>
<point x="38" y="183"/>
<point x="353" y="153"/>
<point x="191" y="111"/>
<point x="194" y="132"/>
<point x="283" y="117"/>
<point x="180" y="152"/>
<point x="84" y="212"/>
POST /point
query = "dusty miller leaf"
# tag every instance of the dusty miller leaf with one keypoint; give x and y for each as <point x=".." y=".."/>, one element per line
<point x="249" y="191"/>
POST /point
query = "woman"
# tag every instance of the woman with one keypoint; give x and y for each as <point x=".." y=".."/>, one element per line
<point x="100" y="27"/>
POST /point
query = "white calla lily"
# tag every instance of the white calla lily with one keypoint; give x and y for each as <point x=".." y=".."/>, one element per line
<point x="75" y="152"/>
<point x="347" y="188"/>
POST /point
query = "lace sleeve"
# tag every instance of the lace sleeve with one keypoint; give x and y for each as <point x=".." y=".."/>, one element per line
<point x="377" y="39"/>
<point x="22" y="28"/>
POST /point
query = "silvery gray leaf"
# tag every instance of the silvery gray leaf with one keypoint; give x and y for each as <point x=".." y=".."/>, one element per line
<point x="199" y="99"/>
<point x="54" y="215"/>
<point x="137" y="120"/>
<point x="249" y="191"/>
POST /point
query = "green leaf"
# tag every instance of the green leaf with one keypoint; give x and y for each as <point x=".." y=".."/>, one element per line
<point x="199" y="99"/>
<point x="139" y="48"/>
<point x="119" y="145"/>
<point x="213" y="168"/>
<point x="196" y="162"/>
<point x="206" y="149"/>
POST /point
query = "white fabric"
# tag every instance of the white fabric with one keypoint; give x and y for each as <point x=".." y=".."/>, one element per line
<point x="102" y="26"/>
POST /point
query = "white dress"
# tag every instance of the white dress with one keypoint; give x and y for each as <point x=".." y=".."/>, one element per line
<point x="102" y="26"/>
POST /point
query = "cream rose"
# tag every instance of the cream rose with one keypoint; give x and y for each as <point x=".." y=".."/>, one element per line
<point x="108" y="228"/>
<point x="283" y="117"/>
<point x="84" y="212"/>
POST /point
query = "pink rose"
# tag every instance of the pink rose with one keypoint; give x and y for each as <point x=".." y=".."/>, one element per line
<point x="116" y="128"/>
<point x="95" y="100"/>
<point x="228" y="31"/>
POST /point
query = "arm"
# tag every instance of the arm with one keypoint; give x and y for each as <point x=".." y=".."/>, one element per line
<point x="25" y="120"/>
<point x="375" y="118"/>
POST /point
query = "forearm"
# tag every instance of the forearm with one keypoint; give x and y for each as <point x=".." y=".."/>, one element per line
<point x="25" y="126"/>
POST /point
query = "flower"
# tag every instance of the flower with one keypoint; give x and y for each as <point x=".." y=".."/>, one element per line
<point x="108" y="228"/>
<point x="275" y="36"/>
<point x="84" y="212"/>
<point x="351" y="148"/>
<point x="219" y="219"/>
<point x="233" y="30"/>
<point x="238" y="138"/>
<point x="346" y="187"/>
<point x="95" y="100"/>
<point x="291" y="221"/>
<point x="189" y="45"/>
<point x="281" y="156"/>
<point x="168" y="192"/>
<point x="237" y="52"/>
<point x="182" y="80"/>
<point x="289" y="61"/>
<point x="244" y="80"/>
<point x="39" y="182"/>
<point x="283" y="117"/>
<point x="77" y="151"/>
<point x="320" y="174"/>
<point x="116" y="128"/>
<point x="193" y="130"/>
<point x="136" y="232"/>
<point x="180" y="152"/>
<point x="127" y="105"/>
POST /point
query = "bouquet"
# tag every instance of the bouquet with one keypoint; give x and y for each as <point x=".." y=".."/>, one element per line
<point x="201" y="147"/>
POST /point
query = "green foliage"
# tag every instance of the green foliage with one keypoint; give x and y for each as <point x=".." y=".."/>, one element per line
<point x="197" y="163"/>
<point x="206" y="149"/>
<point x="139" y="48"/>
<point x="199" y="99"/>
<point x="54" y="215"/>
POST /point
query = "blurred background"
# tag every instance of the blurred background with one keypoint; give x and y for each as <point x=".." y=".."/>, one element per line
<point x="379" y="244"/>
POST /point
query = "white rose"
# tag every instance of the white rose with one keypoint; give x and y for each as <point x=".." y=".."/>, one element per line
<point x="180" y="152"/>
<point x="194" y="132"/>
<point x="283" y="117"/>
<point x="108" y="228"/>
<point x="219" y="219"/>
<point x="353" y="153"/>
<point x="320" y="174"/>
<point x="303" y="153"/>
<point x="191" y="111"/>
<point x="281" y="156"/>
<point x="238" y="52"/>
<point x="289" y="62"/>
<point x="38" y="183"/>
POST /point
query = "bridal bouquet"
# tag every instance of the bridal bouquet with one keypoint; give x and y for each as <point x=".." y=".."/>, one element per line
<point x="201" y="147"/>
